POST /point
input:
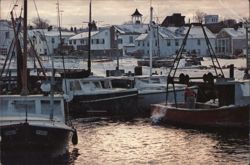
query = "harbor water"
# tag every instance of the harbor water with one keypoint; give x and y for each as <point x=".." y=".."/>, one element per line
<point x="138" y="141"/>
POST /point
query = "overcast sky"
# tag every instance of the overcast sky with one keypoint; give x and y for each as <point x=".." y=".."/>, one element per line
<point x="106" y="12"/>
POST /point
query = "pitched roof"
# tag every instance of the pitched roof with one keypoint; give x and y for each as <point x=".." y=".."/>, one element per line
<point x="83" y="35"/>
<point x="136" y="13"/>
<point x="142" y="37"/>
<point x="195" y="32"/>
<point x="240" y="33"/>
<point x="52" y="33"/>
<point x="132" y="28"/>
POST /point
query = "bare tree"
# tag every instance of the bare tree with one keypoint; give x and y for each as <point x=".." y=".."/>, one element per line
<point x="40" y="23"/>
<point x="199" y="16"/>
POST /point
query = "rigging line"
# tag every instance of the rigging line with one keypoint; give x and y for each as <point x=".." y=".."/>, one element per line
<point x="42" y="31"/>
<point x="63" y="60"/>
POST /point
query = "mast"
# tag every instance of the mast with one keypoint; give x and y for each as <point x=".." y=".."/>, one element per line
<point x="0" y="9"/>
<point x="89" y="38"/>
<point x="150" y="40"/>
<point x="248" y="39"/>
<point x="24" y="70"/>
<point x="59" y="22"/>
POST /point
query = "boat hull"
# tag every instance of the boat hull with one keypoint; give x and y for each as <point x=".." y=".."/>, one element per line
<point x="226" y="117"/>
<point x="120" y="103"/>
<point x="146" y="99"/>
<point x="25" y="139"/>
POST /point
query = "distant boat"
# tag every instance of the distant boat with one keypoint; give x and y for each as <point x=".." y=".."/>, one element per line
<point x="232" y="112"/>
<point x="33" y="124"/>
<point x="93" y="95"/>
<point x="152" y="90"/>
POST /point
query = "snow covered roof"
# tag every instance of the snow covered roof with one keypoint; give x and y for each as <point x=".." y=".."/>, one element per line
<point x="5" y="25"/>
<point x="51" y="33"/>
<point x="179" y="33"/>
<point x="83" y="35"/>
<point x="142" y="37"/>
<point x="166" y="33"/>
<point x="129" y="45"/>
<point x="195" y="32"/>
<point x="132" y="28"/>
<point x="240" y="33"/>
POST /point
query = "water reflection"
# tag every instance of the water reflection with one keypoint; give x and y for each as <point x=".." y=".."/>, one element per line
<point x="140" y="142"/>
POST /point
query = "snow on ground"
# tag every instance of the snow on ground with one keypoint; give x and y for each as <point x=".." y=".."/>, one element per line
<point x="128" y="64"/>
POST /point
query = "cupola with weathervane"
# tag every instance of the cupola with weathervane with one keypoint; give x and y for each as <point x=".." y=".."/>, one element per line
<point x="136" y="17"/>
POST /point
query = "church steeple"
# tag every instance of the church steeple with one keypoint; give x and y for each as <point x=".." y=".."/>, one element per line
<point x="136" y="17"/>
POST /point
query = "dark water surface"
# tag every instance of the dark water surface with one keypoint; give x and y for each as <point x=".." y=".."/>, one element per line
<point x="108" y="142"/>
<point x="140" y="142"/>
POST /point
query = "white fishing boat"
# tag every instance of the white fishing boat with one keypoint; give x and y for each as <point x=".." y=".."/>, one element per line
<point x="33" y="124"/>
<point x="152" y="90"/>
<point x="97" y="94"/>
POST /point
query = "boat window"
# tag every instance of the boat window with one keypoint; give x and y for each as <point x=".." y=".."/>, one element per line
<point x="4" y="106"/>
<point x="155" y="80"/>
<point x="106" y="84"/>
<point x="98" y="84"/>
<point x="144" y="80"/>
<point x="75" y="85"/>
<point x="88" y="86"/>
<point x="46" y="108"/>
<point x="21" y="106"/>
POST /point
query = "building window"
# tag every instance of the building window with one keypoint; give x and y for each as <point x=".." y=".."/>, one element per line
<point x="52" y="40"/>
<point x="7" y="35"/>
<point x="168" y="43"/>
<point x="74" y="42"/>
<point x="130" y="39"/>
<point x="120" y="41"/>
<point x="156" y="43"/>
<point x="82" y="41"/>
<point x="143" y="43"/>
<point x="70" y="42"/>
<point x="148" y="44"/>
<point x="198" y="42"/>
<point x="139" y="43"/>
<point x="176" y="43"/>
<point x="45" y="51"/>
<point x="3" y="51"/>
<point x="198" y="51"/>
<point x="97" y="41"/>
